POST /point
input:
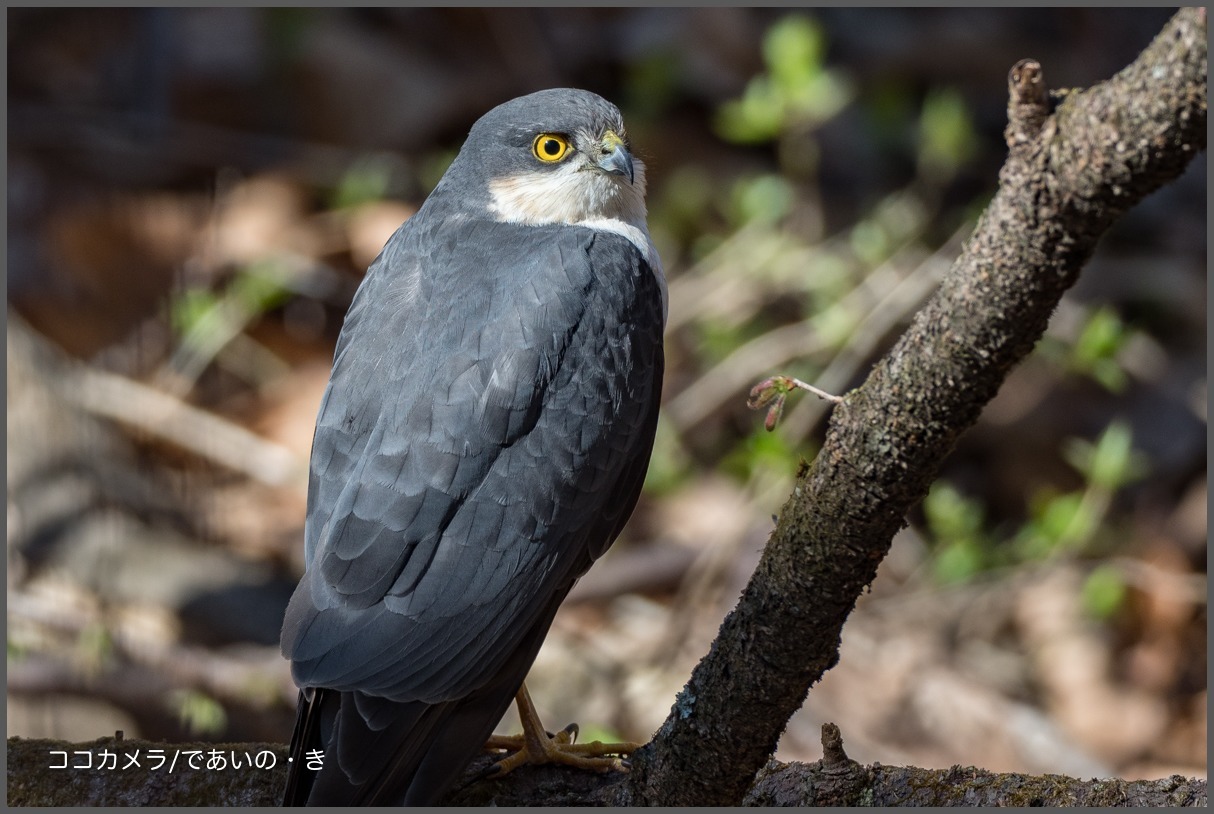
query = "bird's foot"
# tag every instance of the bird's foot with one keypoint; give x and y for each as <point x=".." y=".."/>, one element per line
<point x="536" y="746"/>
<point x="543" y="747"/>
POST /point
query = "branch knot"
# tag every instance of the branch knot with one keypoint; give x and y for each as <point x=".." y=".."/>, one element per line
<point x="1028" y="103"/>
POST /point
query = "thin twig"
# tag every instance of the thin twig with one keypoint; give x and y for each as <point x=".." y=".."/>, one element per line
<point x="198" y="431"/>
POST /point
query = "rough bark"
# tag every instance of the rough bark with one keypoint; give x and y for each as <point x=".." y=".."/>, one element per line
<point x="1071" y="171"/>
<point x="113" y="772"/>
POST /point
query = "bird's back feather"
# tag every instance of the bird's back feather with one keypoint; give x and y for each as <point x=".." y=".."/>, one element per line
<point x="483" y="439"/>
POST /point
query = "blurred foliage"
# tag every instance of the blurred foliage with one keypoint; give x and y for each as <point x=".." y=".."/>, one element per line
<point x="765" y="199"/>
<point x="1111" y="462"/>
<point x="650" y="86"/>
<point x="366" y="181"/>
<point x="1058" y="524"/>
<point x="961" y="547"/>
<point x="200" y="713"/>
<point x="760" y="226"/>
<point x="1104" y="591"/>
<point x="794" y="95"/>
<point x="1069" y="522"/>
<point x="1094" y="352"/>
<point x="669" y="466"/>
<point x="94" y="648"/>
<point x="761" y="452"/>
<point x="797" y="90"/>
<point x="208" y="321"/>
<point x="197" y="314"/>
<point x="947" y="141"/>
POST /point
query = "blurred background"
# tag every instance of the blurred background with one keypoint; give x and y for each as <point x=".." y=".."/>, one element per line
<point x="193" y="195"/>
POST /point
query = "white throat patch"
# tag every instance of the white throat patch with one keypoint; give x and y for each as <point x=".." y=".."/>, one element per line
<point x="578" y="196"/>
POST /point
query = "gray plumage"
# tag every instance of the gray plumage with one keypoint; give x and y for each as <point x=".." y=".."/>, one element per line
<point x="483" y="439"/>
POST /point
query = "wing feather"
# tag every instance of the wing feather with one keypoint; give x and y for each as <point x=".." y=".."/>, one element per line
<point x="477" y="476"/>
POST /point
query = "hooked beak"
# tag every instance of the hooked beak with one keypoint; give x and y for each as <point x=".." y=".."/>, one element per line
<point x="616" y="159"/>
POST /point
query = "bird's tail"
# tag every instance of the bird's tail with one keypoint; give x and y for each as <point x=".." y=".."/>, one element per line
<point x="306" y="739"/>
<point x="376" y="752"/>
<point x="379" y="752"/>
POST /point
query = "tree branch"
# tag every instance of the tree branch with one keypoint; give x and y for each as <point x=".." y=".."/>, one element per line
<point x="114" y="772"/>
<point x="1069" y="174"/>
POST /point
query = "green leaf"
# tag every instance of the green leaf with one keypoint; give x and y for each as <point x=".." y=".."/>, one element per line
<point x="795" y="91"/>
<point x="1057" y="520"/>
<point x="1104" y="591"/>
<point x="760" y="451"/>
<point x="946" y="135"/>
<point x="957" y="562"/>
<point x="1111" y="462"/>
<point x="189" y="307"/>
<point x="1103" y="335"/>
<point x="199" y="713"/>
<point x="762" y="198"/>
<point x="755" y="118"/>
<point x="1095" y="350"/>
<point x="955" y="524"/>
<point x="260" y="286"/>
<point x="952" y="517"/>
<point x="870" y="242"/>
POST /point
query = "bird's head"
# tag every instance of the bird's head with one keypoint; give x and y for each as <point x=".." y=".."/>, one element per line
<point x="556" y="156"/>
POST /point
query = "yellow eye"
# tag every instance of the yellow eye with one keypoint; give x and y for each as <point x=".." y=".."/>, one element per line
<point x="550" y="147"/>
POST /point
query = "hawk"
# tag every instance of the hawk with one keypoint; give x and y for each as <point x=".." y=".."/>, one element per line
<point x="483" y="439"/>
